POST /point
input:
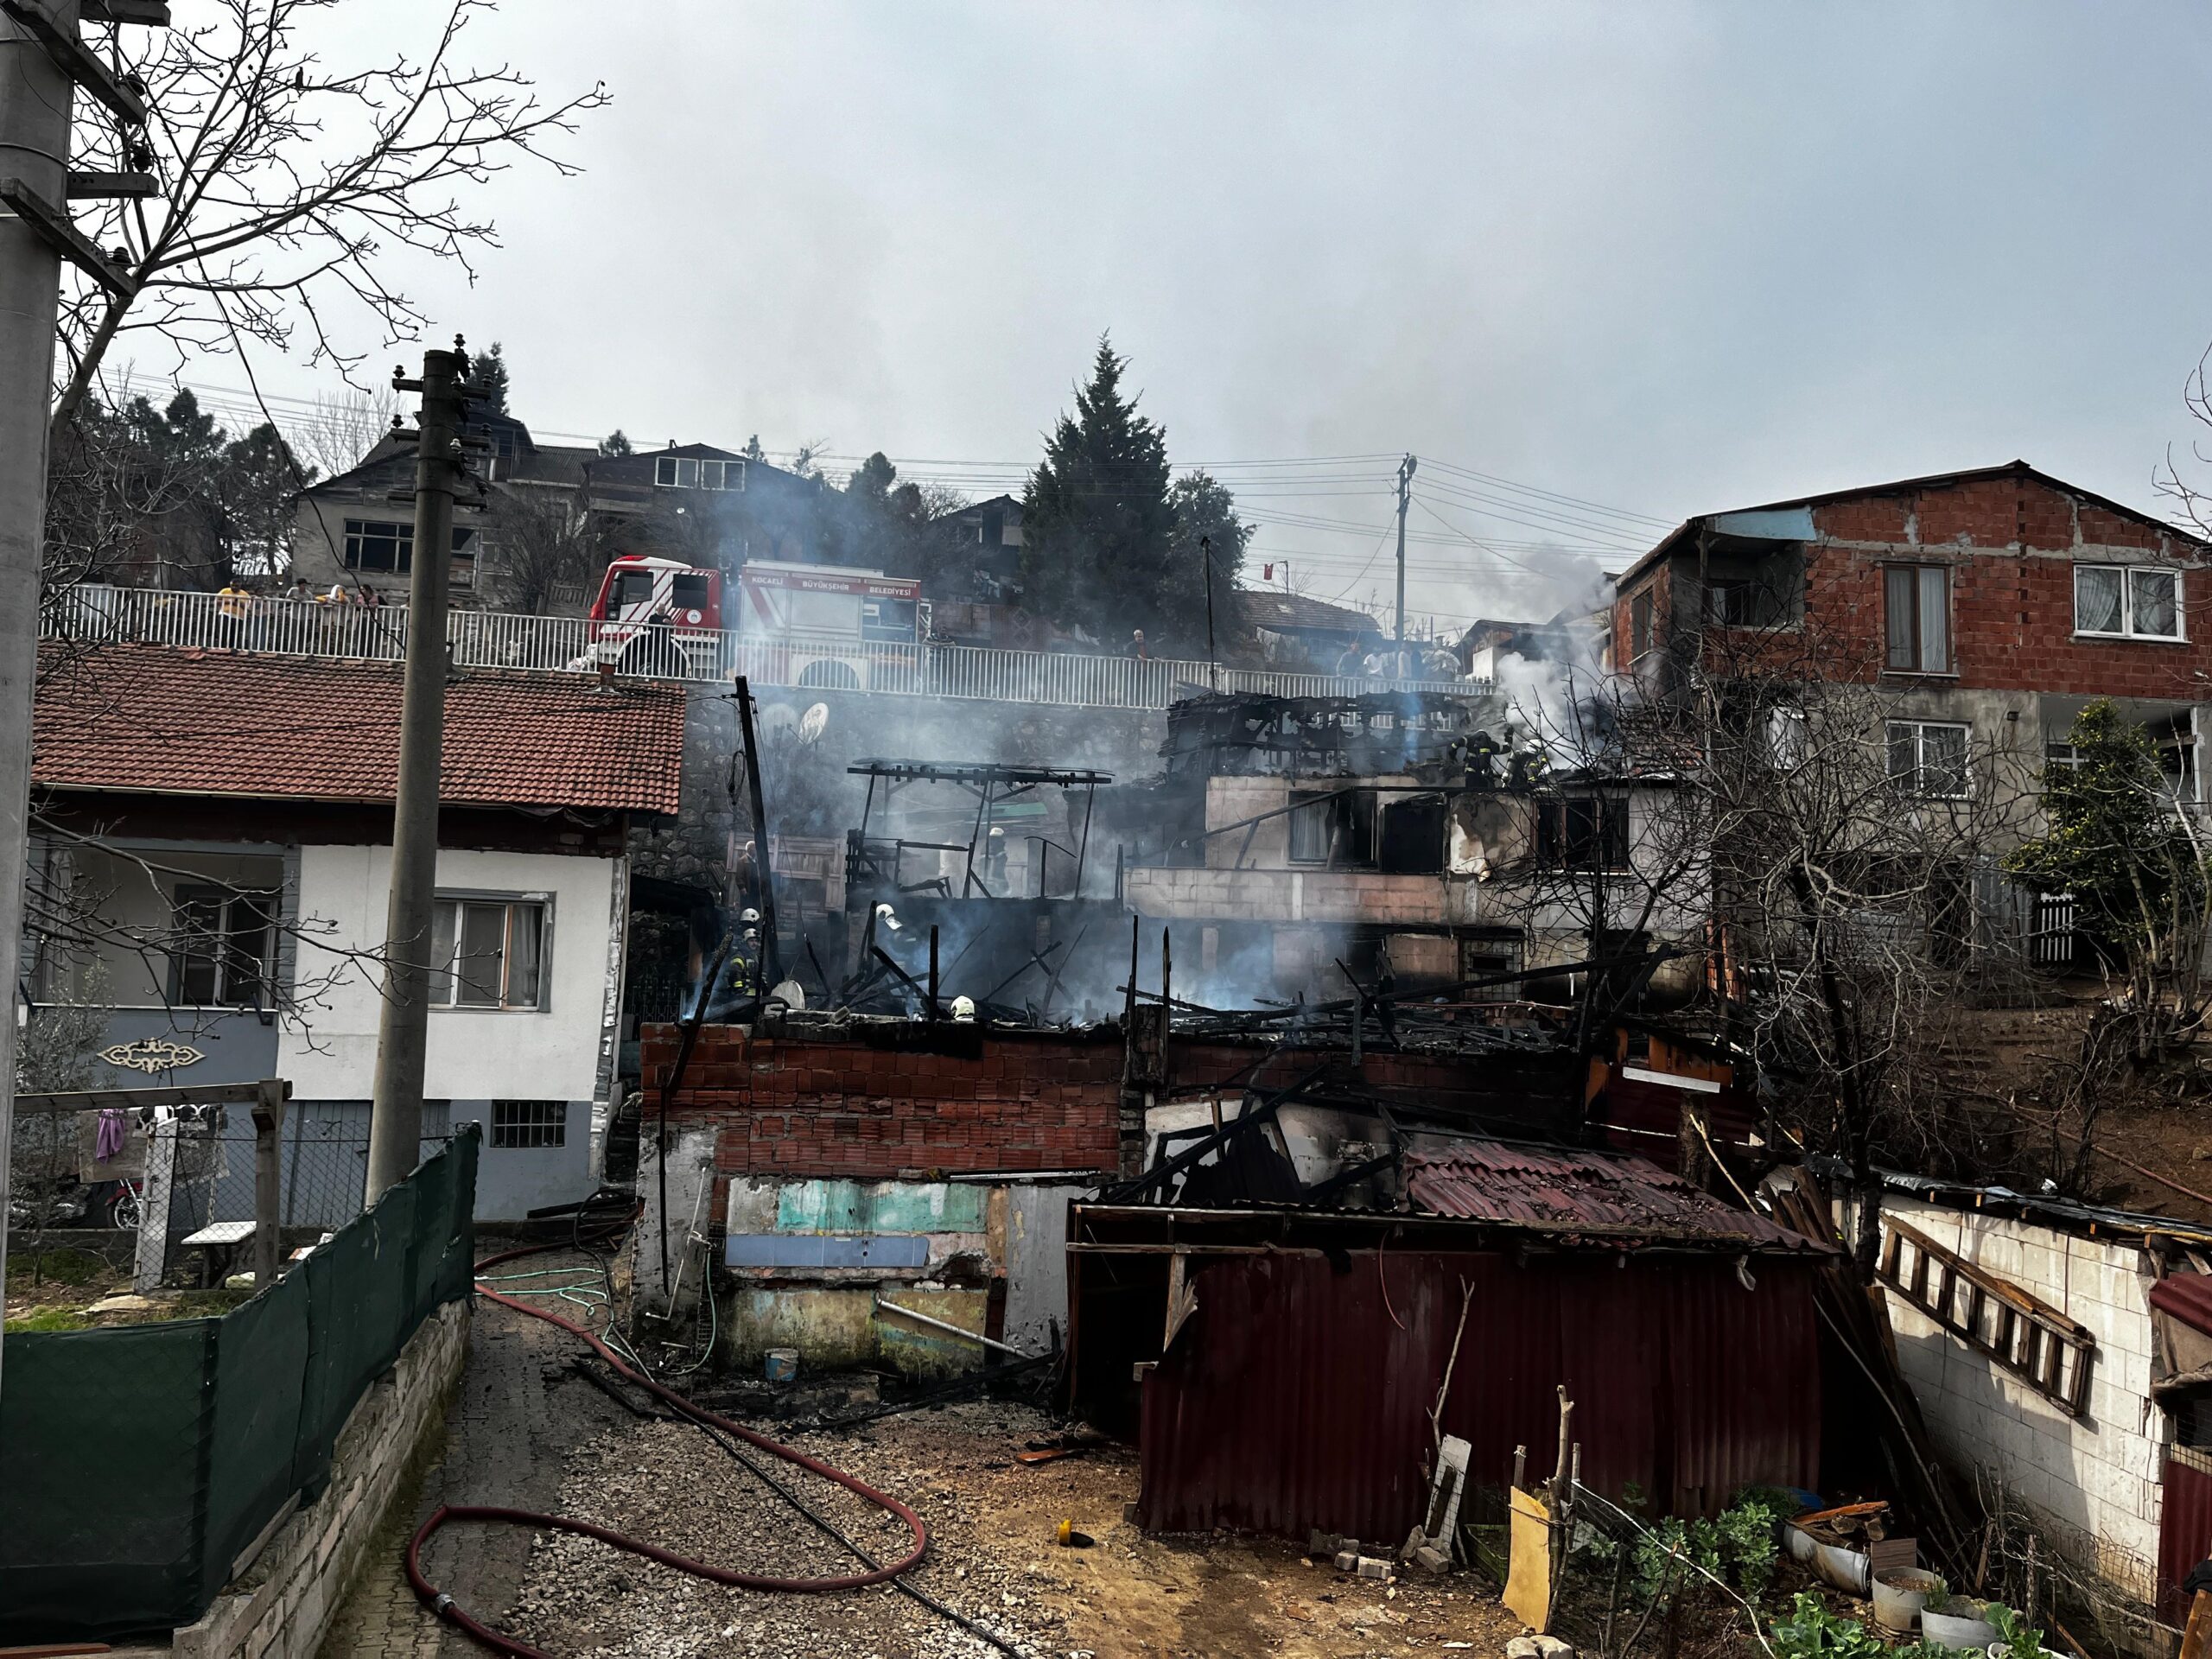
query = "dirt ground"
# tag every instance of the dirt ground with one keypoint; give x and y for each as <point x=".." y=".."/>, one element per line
<point x="994" y="1556"/>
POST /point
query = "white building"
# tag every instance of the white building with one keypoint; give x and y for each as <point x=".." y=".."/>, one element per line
<point x="213" y="840"/>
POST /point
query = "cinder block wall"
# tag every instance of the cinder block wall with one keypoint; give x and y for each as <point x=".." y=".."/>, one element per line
<point x="2098" y="1477"/>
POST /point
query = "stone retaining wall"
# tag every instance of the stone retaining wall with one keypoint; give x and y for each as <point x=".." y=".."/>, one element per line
<point x="281" y="1603"/>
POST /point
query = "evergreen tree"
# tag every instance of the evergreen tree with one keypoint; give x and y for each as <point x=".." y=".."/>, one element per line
<point x="615" y="444"/>
<point x="487" y="381"/>
<point x="1097" y="526"/>
<point x="1206" y="525"/>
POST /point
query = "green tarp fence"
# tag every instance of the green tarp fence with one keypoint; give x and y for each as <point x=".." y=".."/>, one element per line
<point x="138" y="1462"/>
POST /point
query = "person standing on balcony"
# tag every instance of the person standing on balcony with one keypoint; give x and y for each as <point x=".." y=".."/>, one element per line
<point x="234" y="605"/>
<point x="1136" y="646"/>
<point x="370" y="601"/>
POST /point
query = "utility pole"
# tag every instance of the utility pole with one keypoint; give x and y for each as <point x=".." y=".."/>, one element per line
<point x="404" y="1024"/>
<point x="42" y="60"/>
<point x="1205" y="553"/>
<point x="1405" y="498"/>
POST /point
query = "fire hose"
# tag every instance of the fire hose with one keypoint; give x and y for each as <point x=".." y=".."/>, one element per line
<point x="444" y="1607"/>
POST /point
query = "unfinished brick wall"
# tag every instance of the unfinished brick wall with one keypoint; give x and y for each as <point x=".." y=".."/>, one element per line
<point x="1007" y="1101"/>
<point x="2012" y="541"/>
<point x="794" y="1107"/>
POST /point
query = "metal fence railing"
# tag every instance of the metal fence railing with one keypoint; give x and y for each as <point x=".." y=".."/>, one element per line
<point x="97" y="613"/>
<point x="139" y="1462"/>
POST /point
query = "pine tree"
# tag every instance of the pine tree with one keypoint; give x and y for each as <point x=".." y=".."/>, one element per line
<point x="1098" y="527"/>
<point x="487" y="381"/>
<point x="615" y="444"/>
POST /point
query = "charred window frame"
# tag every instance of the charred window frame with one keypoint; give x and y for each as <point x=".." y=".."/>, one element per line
<point x="1639" y="624"/>
<point x="1582" y="832"/>
<point x="382" y="545"/>
<point x="1336" y="829"/>
<point x="1916" y="618"/>
<point x="1756" y="591"/>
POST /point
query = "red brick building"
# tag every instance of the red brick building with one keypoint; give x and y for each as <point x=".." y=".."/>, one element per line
<point x="1993" y="604"/>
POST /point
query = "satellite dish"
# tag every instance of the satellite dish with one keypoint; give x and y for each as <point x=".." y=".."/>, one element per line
<point x="814" y="722"/>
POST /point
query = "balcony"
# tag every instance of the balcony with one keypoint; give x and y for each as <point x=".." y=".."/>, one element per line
<point x="98" y="614"/>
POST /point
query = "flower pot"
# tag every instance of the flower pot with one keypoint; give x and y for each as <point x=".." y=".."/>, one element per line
<point x="1848" y="1570"/>
<point x="1959" y="1623"/>
<point x="1899" y="1596"/>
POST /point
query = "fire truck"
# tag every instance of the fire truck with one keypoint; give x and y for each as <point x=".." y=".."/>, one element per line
<point x="797" y="624"/>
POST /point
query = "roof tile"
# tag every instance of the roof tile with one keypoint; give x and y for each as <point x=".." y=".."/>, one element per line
<point x="153" y="719"/>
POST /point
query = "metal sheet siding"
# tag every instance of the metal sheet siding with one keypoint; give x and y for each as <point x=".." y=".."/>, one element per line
<point x="1298" y="1396"/>
<point x="2184" y="1528"/>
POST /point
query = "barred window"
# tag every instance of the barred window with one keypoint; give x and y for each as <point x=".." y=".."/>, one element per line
<point x="530" y="1122"/>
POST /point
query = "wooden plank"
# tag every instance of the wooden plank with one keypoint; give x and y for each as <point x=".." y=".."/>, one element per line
<point x="97" y="1100"/>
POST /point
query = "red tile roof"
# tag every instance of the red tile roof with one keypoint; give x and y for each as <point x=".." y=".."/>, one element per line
<point x="156" y="720"/>
<point x="1560" y="1191"/>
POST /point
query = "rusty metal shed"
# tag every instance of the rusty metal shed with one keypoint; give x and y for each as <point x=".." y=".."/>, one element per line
<point x="1297" y="1393"/>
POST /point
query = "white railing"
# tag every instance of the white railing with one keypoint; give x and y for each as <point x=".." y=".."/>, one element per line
<point x="97" y="613"/>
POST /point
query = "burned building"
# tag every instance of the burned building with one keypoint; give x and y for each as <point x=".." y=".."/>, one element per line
<point x="1424" y="840"/>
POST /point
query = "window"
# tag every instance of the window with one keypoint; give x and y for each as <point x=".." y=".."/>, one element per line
<point x="1639" y="625"/>
<point x="1330" y="828"/>
<point x="688" y="473"/>
<point x="225" y="940"/>
<point x="488" y="953"/>
<point x="2127" y="601"/>
<point x="1929" y="758"/>
<point x="372" y="545"/>
<point x="1582" y="833"/>
<point x="1767" y="591"/>
<point x="1788" y="737"/>
<point x="1917" y="609"/>
<point x="530" y="1122"/>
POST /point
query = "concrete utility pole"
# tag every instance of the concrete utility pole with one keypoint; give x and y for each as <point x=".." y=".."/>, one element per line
<point x="403" y="1027"/>
<point x="40" y="61"/>
<point x="1405" y="498"/>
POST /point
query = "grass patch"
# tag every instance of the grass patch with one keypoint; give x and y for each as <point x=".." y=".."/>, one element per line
<point x="51" y="1319"/>
<point x="66" y="1265"/>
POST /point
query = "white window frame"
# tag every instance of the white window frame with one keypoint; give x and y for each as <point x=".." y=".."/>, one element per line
<point x="445" y="979"/>
<point x="2128" y="630"/>
<point x="1915" y="783"/>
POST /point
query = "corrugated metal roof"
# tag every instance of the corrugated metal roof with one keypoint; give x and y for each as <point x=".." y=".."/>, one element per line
<point x="1558" y="1190"/>
<point x="2188" y="1297"/>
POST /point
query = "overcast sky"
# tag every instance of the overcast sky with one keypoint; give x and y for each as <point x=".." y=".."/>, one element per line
<point x="1666" y="258"/>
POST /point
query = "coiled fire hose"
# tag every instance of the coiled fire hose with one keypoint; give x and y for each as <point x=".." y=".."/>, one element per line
<point x="444" y="1607"/>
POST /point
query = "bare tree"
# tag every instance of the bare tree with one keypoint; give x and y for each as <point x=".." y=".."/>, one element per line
<point x="339" y="435"/>
<point x="541" y="540"/>
<point x="288" y="185"/>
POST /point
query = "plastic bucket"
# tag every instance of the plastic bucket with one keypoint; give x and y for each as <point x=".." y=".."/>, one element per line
<point x="783" y="1365"/>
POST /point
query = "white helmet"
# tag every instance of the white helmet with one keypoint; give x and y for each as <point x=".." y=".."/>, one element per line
<point x="883" y="914"/>
<point x="748" y="916"/>
<point x="963" y="1008"/>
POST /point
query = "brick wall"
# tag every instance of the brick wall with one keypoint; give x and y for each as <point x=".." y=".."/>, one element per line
<point x="1013" y="1102"/>
<point x="1004" y="1101"/>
